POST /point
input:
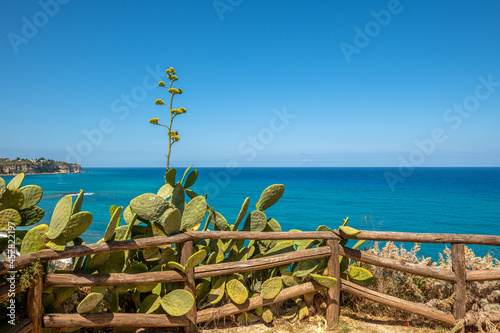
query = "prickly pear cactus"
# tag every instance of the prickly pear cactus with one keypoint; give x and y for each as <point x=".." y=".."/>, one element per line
<point x="270" y="196"/>
<point x="178" y="302"/>
<point x="89" y="302"/>
<point x="149" y="206"/>
<point x="194" y="213"/>
<point x="271" y="287"/>
<point x="60" y="217"/>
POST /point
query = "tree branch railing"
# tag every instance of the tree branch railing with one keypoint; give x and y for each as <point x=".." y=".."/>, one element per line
<point x="459" y="276"/>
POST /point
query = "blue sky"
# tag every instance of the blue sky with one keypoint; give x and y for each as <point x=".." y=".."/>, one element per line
<point x="266" y="83"/>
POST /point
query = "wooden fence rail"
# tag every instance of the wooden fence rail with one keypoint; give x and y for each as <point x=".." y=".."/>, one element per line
<point x="459" y="276"/>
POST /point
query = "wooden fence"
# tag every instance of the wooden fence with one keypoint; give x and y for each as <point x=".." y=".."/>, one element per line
<point x="459" y="276"/>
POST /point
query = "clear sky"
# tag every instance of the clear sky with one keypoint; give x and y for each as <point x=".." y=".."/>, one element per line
<point x="266" y="83"/>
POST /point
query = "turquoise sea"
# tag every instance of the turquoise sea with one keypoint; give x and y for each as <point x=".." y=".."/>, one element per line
<point x="439" y="200"/>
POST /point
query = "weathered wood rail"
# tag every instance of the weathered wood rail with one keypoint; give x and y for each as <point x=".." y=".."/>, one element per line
<point x="459" y="276"/>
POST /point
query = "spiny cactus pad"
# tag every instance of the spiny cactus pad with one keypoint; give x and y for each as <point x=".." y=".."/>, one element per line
<point x="195" y="259"/>
<point x="60" y="217"/>
<point x="246" y="318"/>
<point x="178" y="197"/>
<point x="243" y="212"/>
<point x="165" y="191"/>
<point x="113" y="223"/>
<point x="170" y="177"/>
<point x="77" y="206"/>
<point x="270" y="196"/>
<point x="281" y="247"/>
<point x="237" y="291"/>
<point x="219" y="222"/>
<point x="217" y="291"/>
<point x="271" y="287"/>
<point x="194" y="213"/>
<point x="348" y="230"/>
<point x="267" y="314"/>
<point x="77" y="224"/>
<point x="57" y="244"/>
<point x="11" y="198"/>
<point x="149" y="206"/>
<point x="178" y="302"/>
<point x="175" y="265"/>
<point x="191" y="179"/>
<point x="3" y="186"/>
<point x="35" y="239"/>
<point x="32" y="195"/>
<point x="256" y="221"/>
<point x="31" y="215"/>
<point x="289" y="280"/>
<point x="16" y="182"/>
<point x="63" y="293"/>
<point x="359" y="274"/>
<point x="326" y="281"/>
<point x="9" y="218"/>
<point x="89" y="302"/>
<point x="114" y="264"/>
<point x="150" y="304"/>
<point x="171" y="221"/>
<point x="307" y="267"/>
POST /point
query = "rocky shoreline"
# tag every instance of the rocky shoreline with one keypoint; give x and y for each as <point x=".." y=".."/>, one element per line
<point x="37" y="167"/>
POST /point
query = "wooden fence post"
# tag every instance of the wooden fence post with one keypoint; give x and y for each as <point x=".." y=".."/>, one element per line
<point x="333" y="308"/>
<point x="34" y="305"/>
<point x="186" y="252"/>
<point x="458" y="266"/>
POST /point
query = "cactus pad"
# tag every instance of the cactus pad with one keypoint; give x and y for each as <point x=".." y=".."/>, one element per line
<point x="237" y="291"/>
<point x="113" y="223"/>
<point x="171" y="221"/>
<point x="219" y="222"/>
<point x="89" y="302"/>
<point x="178" y="197"/>
<point x="360" y="275"/>
<point x="150" y="304"/>
<point x="57" y="244"/>
<point x="77" y="206"/>
<point x="194" y="213"/>
<point x="191" y="179"/>
<point x="170" y="177"/>
<point x="195" y="259"/>
<point x="60" y="217"/>
<point x="325" y="281"/>
<point x="256" y="221"/>
<point x="3" y="186"/>
<point x="303" y="311"/>
<point x="175" y="265"/>
<point x="35" y="239"/>
<point x="178" y="302"/>
<point x="288" y="279"/>
<point x="281" y="247"/>
<point x="349" y="231"/>
<point x="267" y="314"/>
<point x="11" y="198"/>
<point x="217" y="291"/>
<point x="307" y="267"/>
<point x="32" y="195"/>
<point x="165" y="191"/>
<point x="271" y="287"/>
<point x="270" y="196"/>
<point x="62" y="293"/>
<point x="149" y="206"/>
<point x="114" y="264"/>
<point x="16" y="182"/>
<point x="77" y="224"/>
<point x="242" y="213"/>
<point x="9" y="218"/>
<point x="31" y="215"/>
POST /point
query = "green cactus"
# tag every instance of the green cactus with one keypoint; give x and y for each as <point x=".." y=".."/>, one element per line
<point x="171" y="221"/>
<point x="3" y="186"/>
<point x="217" y="291"/>
<point x="57" y="244"/>
<point x="170" y="177"/>
<point x="32" y="195"/>
<point x="270" y="196"/>
<point x="304" y="268"/>
<point x="271" y="287"/>
<point x="16" y="182"/>
<point x="89" y="302"/>
<point x="246" y="318"/>
<point x="165" y="191"/>
<point x="191" y="179"/>
<point x="150" y="304"/>
<point x="77" y="224"/>
<point x="31" y="215"/>
<point x="242" y="213"/>
<point x="326" y="281"/>
<point x="178" y="302"/>
<point x="219" y="222"/>
<point x="267" y="314"/>
<point x="11" y="198"/>
<point x="178" y="196"/>
<point x="113" y="224"/>
<point x="61" y="294"/>
<point x="256" y="221"/>
<point x="9" y="218"/>
<point x="194" y="213"/>
<point x="149" y="206"/>
<point x="236" y="290"/>
<point x="195" y="259"/>
<point x="35" y="239"/>
<point x="60" y="217"/>
<point x="77" y="206"/>
<point x="348" y="230"/>
<point x="360" y="276"/>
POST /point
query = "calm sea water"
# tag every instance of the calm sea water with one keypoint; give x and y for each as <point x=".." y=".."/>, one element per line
<point x="441" y="200"/>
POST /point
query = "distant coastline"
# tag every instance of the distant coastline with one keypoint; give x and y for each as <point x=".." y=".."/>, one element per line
<point x="41" y="166"/>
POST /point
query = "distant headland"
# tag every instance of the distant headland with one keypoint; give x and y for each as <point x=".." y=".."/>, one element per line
<point x="38" y="166"/>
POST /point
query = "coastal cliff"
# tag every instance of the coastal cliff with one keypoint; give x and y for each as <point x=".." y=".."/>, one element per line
<point x="39" y="166"/>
